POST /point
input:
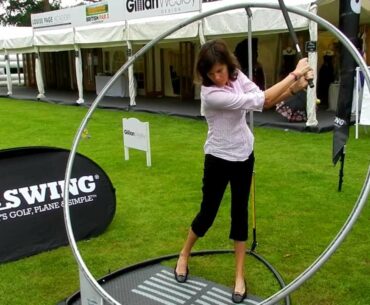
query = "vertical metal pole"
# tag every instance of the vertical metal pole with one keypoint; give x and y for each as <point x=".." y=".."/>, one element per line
<point x="8" y="73"/>
<point x="18" y="70"/>
<point x="356" y="97"/>
<point x="250" y="63"/>
<point x="311" y="103"/>
<point x="251" y="126"/>
<point x="131" y="78"/>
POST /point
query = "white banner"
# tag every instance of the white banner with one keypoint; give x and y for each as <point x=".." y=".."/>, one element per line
<point x="135" y="9"/>
<point x="59" y="18"/>
<point x="111" y="11"/>
<point x="365" y="108"/>
<point x="101" y="12"/>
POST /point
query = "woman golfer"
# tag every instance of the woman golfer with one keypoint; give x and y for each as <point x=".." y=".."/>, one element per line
<point x="227" y="95"/>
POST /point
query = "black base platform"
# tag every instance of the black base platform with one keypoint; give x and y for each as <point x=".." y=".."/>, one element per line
<point x="155" y="284"/>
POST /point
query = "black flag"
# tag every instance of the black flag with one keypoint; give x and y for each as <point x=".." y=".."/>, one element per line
<point x="349" y="16"/>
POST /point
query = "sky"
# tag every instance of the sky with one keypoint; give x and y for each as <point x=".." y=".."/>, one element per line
<point x="66" y="3"/>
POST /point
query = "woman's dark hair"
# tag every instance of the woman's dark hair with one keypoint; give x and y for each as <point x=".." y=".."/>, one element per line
<point x="212" y="52"/>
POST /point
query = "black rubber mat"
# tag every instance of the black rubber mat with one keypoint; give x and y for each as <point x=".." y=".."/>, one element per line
<point x="176" y="107"/>
<point x="156" y="285"/>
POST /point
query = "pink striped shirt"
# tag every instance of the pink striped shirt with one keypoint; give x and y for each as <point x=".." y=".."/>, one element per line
<point x="225" y="108"/>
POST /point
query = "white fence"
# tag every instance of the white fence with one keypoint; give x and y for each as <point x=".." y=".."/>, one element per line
<point x="16" y="70"/>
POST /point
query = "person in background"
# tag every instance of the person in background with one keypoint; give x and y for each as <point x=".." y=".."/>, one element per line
<point x="241" y="53"/>
<point x="228" y="94"/>
<point x="325" y="77"/>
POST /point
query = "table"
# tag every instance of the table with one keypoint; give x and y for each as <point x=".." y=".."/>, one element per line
<point x="119" y="88"/>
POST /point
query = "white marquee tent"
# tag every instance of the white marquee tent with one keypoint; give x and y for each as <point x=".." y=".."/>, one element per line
<point x="25" y="39"/>
<point x="123" y="33"/>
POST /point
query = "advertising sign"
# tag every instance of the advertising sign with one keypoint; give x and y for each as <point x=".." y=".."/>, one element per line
<point x="135" y="9"/>
<point x="31" y="200"/>
<point x="111" y="11"/>
<point x="101" y="12"/>
<point x="96" y="12"/>
<point x="136" y="135"/>
<point x="59" y="18"/>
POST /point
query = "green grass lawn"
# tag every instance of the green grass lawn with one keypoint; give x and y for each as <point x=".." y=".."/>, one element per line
<point x="299" y="210"/>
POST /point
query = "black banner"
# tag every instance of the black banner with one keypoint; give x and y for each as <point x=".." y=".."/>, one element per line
<point x="31" y="203"/>
<point x="349" y="18"/>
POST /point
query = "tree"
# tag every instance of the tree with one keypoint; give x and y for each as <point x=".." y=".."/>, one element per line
<point x="18" y="12"/>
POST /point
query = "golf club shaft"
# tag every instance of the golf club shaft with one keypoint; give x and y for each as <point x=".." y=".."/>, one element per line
<point x="253" y="203"/>
<point x="293" y="34"/>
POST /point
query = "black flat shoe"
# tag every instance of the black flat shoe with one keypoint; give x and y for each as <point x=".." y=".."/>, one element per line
<point x="181" y="278"/>
<point x="238" y="297"/>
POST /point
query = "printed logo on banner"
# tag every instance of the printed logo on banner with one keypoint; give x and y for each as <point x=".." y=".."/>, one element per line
<point x="34" y="199"/>
<point x="356" y="6"/>
<point x="338" y="122"/>
<point x="31" y="200"/>
<point x="97" y="13"/>
<point x="150" y="8"/>
<point x="59" y="18"/>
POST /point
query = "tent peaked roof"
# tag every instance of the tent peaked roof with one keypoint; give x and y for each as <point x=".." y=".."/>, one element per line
<point x="13" y="37"/>
<point x="227" y="23"/>
<point x="264" y="20"/>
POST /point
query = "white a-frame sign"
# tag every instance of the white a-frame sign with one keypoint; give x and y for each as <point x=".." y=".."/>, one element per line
<point x="136" y="135"/>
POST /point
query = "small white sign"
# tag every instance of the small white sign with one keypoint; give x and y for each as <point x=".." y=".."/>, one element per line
<point x="135" y="9"/>
<point x="136" y="135"/>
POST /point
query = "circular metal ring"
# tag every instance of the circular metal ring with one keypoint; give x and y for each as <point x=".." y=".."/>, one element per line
<point x="326" y="254"/>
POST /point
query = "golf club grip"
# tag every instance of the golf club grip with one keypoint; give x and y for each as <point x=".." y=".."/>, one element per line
<point x="310" y="83"/>
<point x="293" y="34"/>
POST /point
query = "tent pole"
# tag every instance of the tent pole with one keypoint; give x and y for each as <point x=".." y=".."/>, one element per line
<point x="39" y="78"/>
<point x="202" y="39"/>
<point x="79" y="75"/>
<point x="8" y="74"/>
<point x="250" y="62"/>
<point x="18" y="71"/>
<point x="131" y="79"/>
<point x="312" y="60"/>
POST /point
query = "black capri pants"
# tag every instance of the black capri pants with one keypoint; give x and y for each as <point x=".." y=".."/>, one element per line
<point x="217" y="174"/>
